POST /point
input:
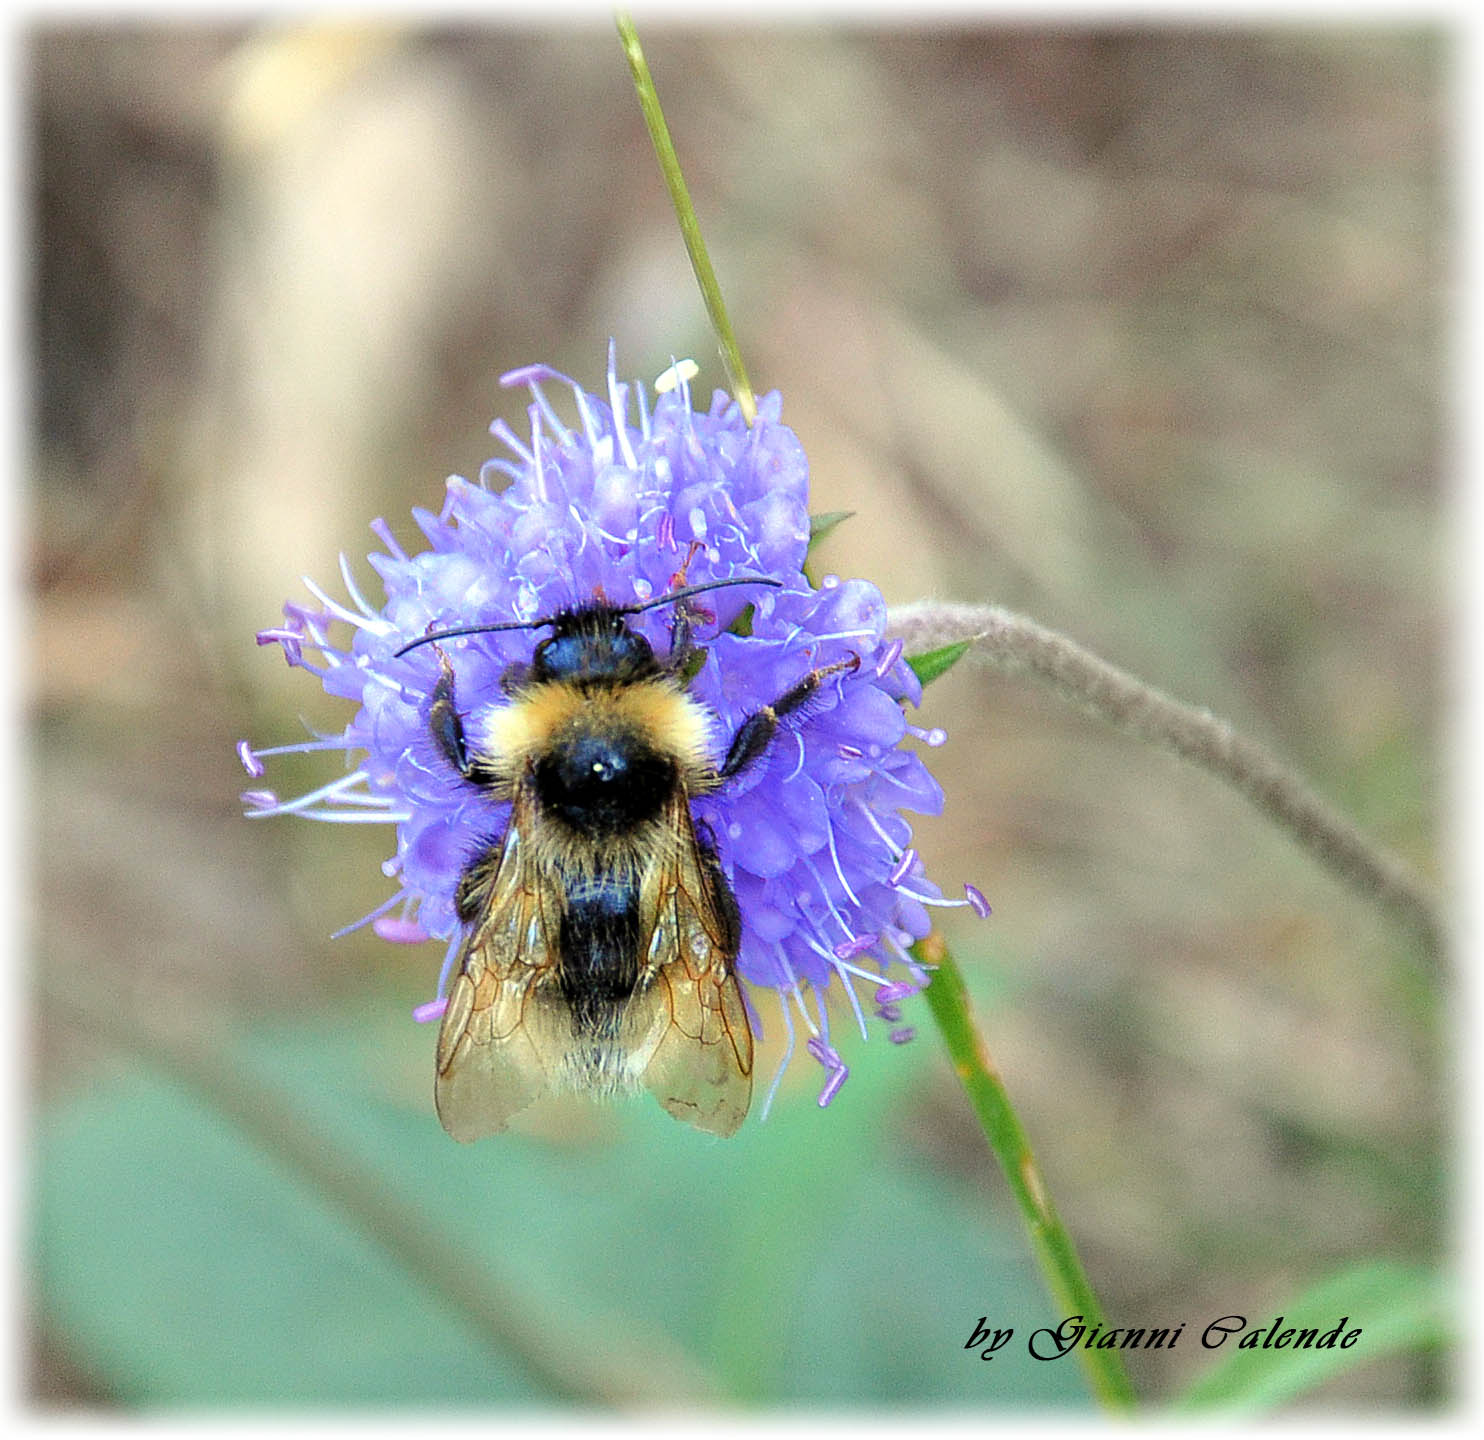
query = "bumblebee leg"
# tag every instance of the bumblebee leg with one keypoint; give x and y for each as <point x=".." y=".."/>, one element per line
<point x="754" y="733"/>
<point x="682" y="652"/>
<point x="723" y="901"/>
<point x="681" y="649"/>
<point x="448" y="728"/>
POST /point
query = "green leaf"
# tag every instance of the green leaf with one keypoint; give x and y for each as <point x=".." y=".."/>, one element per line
<point x="822" y="525"/>
<point x="929" y="666"/>
<point x="179" y="1265"/>
<point x="1395" y="1307"/>
<point x="181" y="1261"/>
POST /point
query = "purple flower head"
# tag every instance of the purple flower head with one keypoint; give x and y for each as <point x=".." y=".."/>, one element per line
<point x="626" y="499"/>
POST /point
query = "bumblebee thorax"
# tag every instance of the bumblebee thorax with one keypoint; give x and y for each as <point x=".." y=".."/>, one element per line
<point x="603" y="759"/>
<point x="603" y="780"/>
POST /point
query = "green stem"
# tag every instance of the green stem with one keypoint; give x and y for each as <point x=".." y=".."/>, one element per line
<point x="1070" y="1288"/>
<point x="690" y="227"/>
<point x="946" y="995"/>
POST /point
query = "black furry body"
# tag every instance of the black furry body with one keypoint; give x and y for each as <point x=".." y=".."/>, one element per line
<point x="600" y="929"/>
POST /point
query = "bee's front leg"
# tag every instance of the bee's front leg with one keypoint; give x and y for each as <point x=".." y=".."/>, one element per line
<point x="754" y="733"/>
<point x="681" y="648"/>
<point x="448" y="728"/>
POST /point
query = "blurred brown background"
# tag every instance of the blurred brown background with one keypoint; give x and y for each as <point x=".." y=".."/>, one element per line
<point x="1140" y="331"/>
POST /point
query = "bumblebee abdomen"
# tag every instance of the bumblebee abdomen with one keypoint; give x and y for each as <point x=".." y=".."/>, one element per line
<point x="599" y="950"/>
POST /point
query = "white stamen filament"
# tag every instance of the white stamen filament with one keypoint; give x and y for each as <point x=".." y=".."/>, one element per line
<point x="552" y="418"/>
<point x="796" y="990"/>
<point x="334" y="788"/>
<point x="641" y="404"/>
<point x="875" y="824"/>
<point x="585" y="412"/>
<point x="370" y="801"/>
<point x="354" y="591"/>
<point x="335" y="742"/>
<point x="618" y="400"/>
<point x="502" y="432"/>
<point x="583" y="525"/>
<point x="844" y="971"/>
<point x="347" y="817"/>
<point x="383" y="532"/>
<point x="815" y="640"/>
<point x="825" y="896"/>
<point x="538" y="463"/>
<point x="446" y="969"/>
<point x="788" y="1054"/>
<point x="829" y="831"/>
<point x="339" y="611"/>
<point x="799" y="739"/>
<point x="375" y="914"/>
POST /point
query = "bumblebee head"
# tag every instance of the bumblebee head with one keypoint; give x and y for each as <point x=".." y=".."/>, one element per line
<point x="593" y="644"/>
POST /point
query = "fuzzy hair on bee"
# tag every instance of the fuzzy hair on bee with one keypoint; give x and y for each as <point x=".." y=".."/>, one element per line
<point x="600" y="933"/>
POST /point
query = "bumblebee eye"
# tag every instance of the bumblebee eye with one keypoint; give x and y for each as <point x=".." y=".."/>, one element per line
<point x="542" y="663"/>
<point x="631" y="650"/>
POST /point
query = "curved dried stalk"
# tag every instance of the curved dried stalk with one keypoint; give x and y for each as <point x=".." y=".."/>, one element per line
<point x="1017" y="645"/>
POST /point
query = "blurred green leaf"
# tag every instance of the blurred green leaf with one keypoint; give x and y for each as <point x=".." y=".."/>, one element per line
<point x="181" y="1265"/>
<point x="933" y="663"/>
<point x="821" y="526"/>
<point x="1396" y="1308"/>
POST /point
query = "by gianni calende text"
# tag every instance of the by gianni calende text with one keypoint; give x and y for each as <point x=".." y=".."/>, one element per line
<point x="1075" y="1334"/>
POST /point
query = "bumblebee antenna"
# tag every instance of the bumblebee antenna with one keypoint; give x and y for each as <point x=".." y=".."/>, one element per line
<point x="689" y="590"/>
<point x="667" y="598"/>
<point x="433" y="635"/>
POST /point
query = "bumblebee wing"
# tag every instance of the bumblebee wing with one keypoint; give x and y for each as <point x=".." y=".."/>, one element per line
<point x="700" y="1067"/>
<point x="491" y="1042"/>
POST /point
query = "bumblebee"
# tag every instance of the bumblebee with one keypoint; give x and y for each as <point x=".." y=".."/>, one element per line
<point x="600" y="934"/>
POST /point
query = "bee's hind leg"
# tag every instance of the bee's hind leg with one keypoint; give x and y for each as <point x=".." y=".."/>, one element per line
<point x="756" y="732"/>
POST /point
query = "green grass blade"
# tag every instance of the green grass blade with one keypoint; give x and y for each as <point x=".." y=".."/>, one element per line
<point x="1395" y="1308"/>
<point x="685" y="213"/>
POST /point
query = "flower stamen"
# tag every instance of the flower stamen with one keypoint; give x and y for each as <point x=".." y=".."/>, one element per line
<point x="839" y="1072"/>
<point x="538" y="460"/>
<point x="353" y="590"/>
<point x="289" y="807"/>
<point x="829" y="835"/>
<point x="371" y="918"/>
<point x="507" y="437"/>
<point x="399" y="930"/>
<point x="845" y="973"/>
<point x="383" y="532"/>
<point x="902" y="867"/>
<point x="788" y="1054"/>
<point x="619" y="404"/>
<point x="876" y="825"/>
<point x="889" y="658"/>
